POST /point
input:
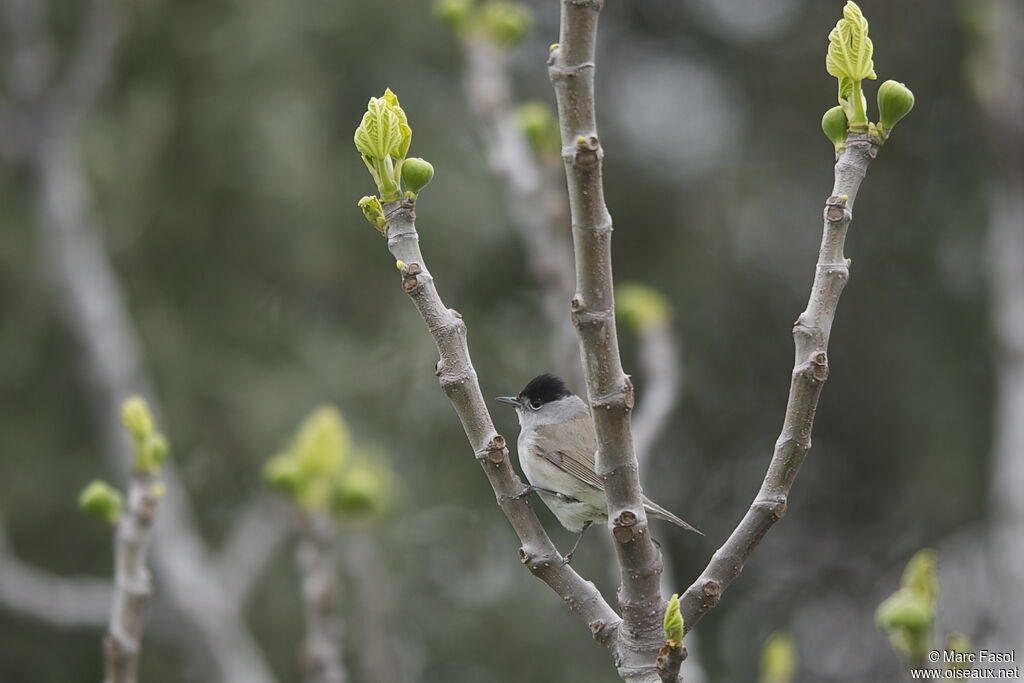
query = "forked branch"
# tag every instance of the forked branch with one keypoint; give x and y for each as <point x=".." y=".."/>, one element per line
<point x="810" y="370"/>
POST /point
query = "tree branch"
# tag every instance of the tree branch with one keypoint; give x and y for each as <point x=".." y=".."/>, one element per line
<point x="669" y="662"/>
<point x="251" y="543"/>
<point x="536" y="204"/>
<point x="316" y="559"/>
<point x="571" y="67"/>
<point x="459" y="381"/>
<point x="132" y="584"/>
<point x="663" y="376"/>
<point x="810" y="370"/>
<point x="61" y="601"/>
<point x="95" y="309"/>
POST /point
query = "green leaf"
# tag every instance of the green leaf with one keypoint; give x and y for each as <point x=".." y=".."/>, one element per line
<point x="672" y="624"/>
<point x="921" y="576"/>
<point x="380" y="131"/>
<point x="136" y="417"/>
<point x="849" y="48"/>
<point x="778" y="659"/>
<point x="402" y="148"/>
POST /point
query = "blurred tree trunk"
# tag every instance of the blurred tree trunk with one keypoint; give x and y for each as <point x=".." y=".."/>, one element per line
<point x="998" y="77"/>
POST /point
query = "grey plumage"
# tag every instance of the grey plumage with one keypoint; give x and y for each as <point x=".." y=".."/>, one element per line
<point x="557" y="446"/>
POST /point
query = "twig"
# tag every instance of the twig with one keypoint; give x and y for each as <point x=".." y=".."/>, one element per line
<point x="252" y="542"/>
<point x="537" y="207"/>
<point x="316" y="557"/>
<point x="810" y="370"/>
<point x="663" y="377"/>
<point x="58" y="600"/>
<point x="459" y="381"/>
<point x="669" y="662"/>
<point x="96" y="311"/>
<point x="571" y="67"/>
<point x="132" y="585"/>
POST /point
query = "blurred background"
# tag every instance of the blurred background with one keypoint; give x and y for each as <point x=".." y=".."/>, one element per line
<point x="179" y="186"/>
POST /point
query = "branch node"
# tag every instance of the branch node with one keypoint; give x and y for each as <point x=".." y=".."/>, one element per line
<point x="493" y="451"/>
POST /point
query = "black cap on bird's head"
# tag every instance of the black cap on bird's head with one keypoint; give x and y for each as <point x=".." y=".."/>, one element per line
<point x="540" y="390"/>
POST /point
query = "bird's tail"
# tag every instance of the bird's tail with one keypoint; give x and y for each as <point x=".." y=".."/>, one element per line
<point x="656" y="510"/>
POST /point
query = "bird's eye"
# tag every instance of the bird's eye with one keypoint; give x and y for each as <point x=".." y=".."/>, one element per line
<point x="536" y="404"/>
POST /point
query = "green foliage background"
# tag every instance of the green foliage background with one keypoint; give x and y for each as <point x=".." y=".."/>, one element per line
<point x="225" y="180"/>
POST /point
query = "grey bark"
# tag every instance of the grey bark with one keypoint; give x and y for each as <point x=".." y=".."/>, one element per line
<point x="316" y="556"/>
<point x="132" y="585"/>
<point x="571" y="68"/>
<point x="810" y="370"/>
<point x="459" y="381"/>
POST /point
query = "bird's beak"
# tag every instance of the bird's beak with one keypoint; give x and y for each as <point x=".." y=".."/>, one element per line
<point x="511" y="400"/>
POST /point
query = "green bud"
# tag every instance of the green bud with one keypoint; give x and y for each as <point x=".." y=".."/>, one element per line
<point x="778" y="659"/>
<point x="374" y="213"/>
<point x="416" y="173"/>
<point x="136" y="417"/>
<point x="641" y="307"/>
<point x="960" y="644"/>
<point x="672" y="624"/>
<point x="102" y="501"/>
<point x="834" y="124"/>
<point x="455" y="13"/>
<point x="365" y="489"/>
<point x="282" y="472"/>
<point x="151" y="453"/>
<point x="894" y="102"/>
<point x="539" y="124"/>
<point x="921" y="576"/>
<point x="905" y="610"/>
<point x="506" y="23"/>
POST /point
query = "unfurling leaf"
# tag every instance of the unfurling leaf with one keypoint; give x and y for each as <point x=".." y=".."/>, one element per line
<point x="380" y="131"/>
<point x="921" y="576"/>
<point x="849" y="60"/>
<point x="374" y="213"/>
<point x="672" y="624"/>
<point x="416" y="173"/>
<point x="102" y="501"/>
<point x="894" y="102"/>
<point x="834" y="124"/>
<point x="402" y="148"/>
<point x="778" y="659"/>
<point x="849" y="48"/>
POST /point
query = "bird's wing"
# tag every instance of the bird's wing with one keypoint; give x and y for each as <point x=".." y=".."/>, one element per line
<point x="576" y="458"/>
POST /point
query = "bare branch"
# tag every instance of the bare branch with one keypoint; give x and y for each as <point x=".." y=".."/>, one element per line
<point x="571" y="67"/>
<point x="810" y="370"/>
<point x="663" y="377"/>
<point x="459" y="381"/>
<point x="535" y="202"/>
<point x="251" y="544"/>
<point x="61" y="601"/>
<point x="132" y="584"/>
<point x="317" y="560"/>
<point x="91" y="65"/>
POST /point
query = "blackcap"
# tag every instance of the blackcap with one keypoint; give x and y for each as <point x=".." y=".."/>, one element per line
<point x="557" y="446"/>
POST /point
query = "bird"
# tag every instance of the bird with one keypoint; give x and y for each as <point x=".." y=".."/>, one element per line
<point x="557" y="447"/>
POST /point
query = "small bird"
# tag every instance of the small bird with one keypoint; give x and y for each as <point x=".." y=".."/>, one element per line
<point x="557" y="446"/>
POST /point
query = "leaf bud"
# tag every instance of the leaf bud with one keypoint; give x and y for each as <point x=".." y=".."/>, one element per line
<point x="101" y="500"/>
